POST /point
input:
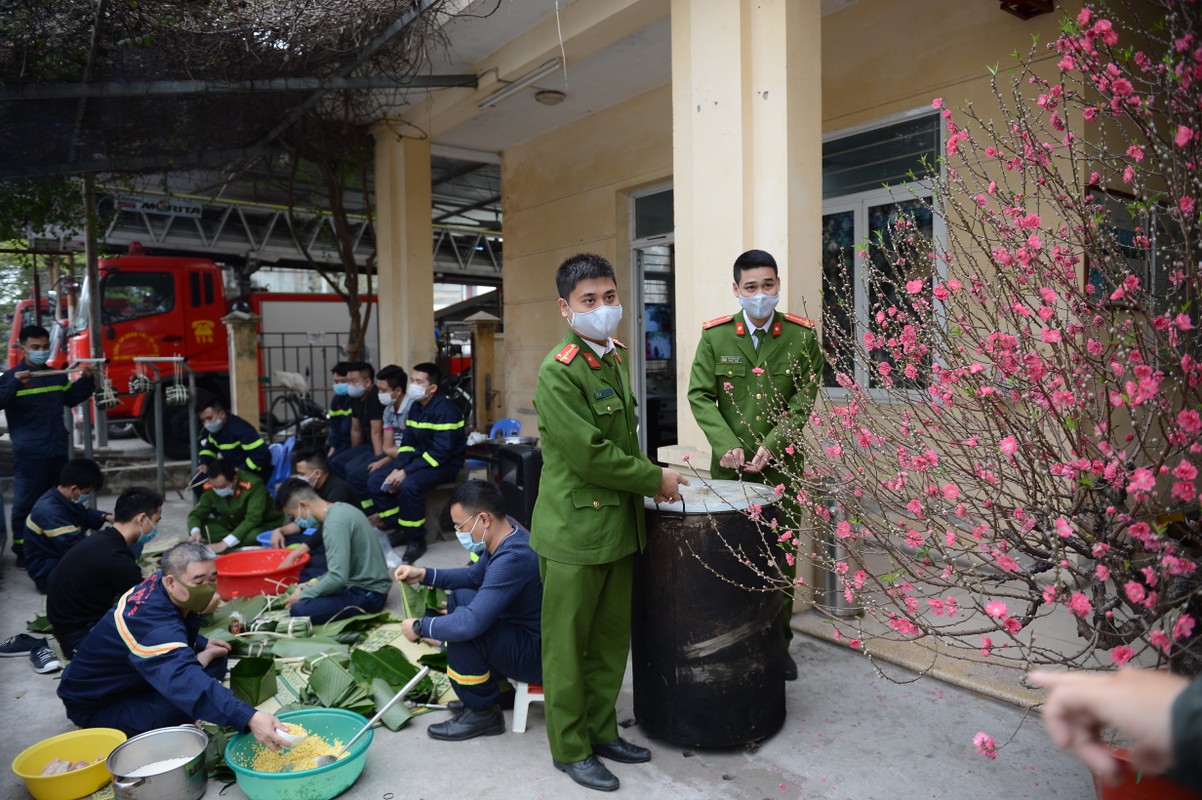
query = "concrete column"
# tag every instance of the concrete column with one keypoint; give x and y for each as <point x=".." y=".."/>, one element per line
<point x="484" y="361"/>
<point x="404" y="249"/>
<point x="244" y="364"/>
<point x="747" y="163"/>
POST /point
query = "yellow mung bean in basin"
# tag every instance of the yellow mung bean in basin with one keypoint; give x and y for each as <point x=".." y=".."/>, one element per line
<point x="295" y="759"/>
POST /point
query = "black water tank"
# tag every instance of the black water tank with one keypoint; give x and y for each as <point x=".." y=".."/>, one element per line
<point x="707" y="654"/>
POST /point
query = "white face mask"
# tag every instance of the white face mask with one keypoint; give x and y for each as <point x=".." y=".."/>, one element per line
<point x="759" y="305"/>
<point x="415" y="392"/>
<point x="385" y="398"/>
<point x="598" y="324"/>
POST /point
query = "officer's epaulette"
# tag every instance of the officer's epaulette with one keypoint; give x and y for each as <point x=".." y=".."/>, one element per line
<point x="245" y="484"/>
<point x="717" y="321"/>
<point x="619" y="344"/>
<point x="566" y="355"/>
<point x="805" y="322"/>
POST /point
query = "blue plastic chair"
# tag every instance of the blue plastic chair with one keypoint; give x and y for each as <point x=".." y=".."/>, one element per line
<point x="502" y="427"/>
<point x="281" y="463"/>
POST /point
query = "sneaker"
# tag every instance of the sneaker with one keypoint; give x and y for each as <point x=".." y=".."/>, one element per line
<point x="44" y="660"/>
<point x="20" y="644"/>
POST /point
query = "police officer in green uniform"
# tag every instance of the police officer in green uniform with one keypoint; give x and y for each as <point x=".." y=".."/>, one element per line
<point x="233" y="509"/>
<point x="752" y="386"/>
<point x="588" y="524"/>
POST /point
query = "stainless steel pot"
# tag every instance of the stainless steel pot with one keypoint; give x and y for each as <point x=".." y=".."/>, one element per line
<point x="186" y="781"/>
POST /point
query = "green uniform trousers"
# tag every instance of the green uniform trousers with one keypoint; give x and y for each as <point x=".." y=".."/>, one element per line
<point x="586" y="642"/>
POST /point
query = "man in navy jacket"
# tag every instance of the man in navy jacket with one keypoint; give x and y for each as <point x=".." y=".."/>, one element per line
<point x="33" y="405"/>
<point x="146" y="666"/>
<point x="60" y="518"/>
<point x="493" y="620"/>
<point x="431" y="452"/>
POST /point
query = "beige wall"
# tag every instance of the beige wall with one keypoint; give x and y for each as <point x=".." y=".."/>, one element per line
<point x="881" y="57"/>
<point x="565" y="193"/>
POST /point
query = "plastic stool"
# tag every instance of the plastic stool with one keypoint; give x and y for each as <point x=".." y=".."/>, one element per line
<point x="526" y="693"/>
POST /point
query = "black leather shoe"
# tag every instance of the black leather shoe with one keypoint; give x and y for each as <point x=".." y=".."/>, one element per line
<point x="790" y="668"/>
<point x="469" y="724"/>
<point x="415" y="550"/>
<point x="505" y="702"/>
<point x="622" y="751"/>
<point x="589" y="773"/>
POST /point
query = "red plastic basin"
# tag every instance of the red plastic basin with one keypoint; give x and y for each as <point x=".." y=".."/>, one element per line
<point x="256" y="572"/>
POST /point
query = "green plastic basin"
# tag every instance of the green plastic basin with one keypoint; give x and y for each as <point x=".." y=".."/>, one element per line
<point x="321" y="783"/>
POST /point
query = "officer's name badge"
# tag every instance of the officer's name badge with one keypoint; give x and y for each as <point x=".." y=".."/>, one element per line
<point x="601" y="394"/>
<point x="731" y="359"/>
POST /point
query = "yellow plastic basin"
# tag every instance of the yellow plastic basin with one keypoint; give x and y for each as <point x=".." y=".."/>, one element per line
<point x="90" y="744"/>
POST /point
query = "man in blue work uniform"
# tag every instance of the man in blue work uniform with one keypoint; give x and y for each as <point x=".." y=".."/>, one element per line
<point x="146" y="666"/>
<point x="60" y="518"/>
<point x="431" y="452"/>
<point x="338" y="417"/>
<point x="493" y="613"/>
<point x="229" y="437"/>
<point x="33" y="405"/>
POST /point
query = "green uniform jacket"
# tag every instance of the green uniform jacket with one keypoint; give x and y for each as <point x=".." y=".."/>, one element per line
<point x="739" y="407"/>
<point x="246" y="513"/>
<point x="594" y="478"/>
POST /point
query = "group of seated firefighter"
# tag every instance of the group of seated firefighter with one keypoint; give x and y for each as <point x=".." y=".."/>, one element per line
<point x="142" y="663"/>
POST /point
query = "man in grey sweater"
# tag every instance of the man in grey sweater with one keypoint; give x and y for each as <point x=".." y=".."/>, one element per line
<point x="357" y="580"/>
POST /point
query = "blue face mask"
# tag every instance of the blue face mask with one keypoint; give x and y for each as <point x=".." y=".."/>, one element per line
<point x="37" y="357"/>
<point x="83" y="499"/>
<point x="356" y="391"/>
<point x="150" y="534"/>
<point x="226" y="492"/>
<point x="465" y="539"/>
<point x="307" y="522"/>
<point x="214" y="426"/>
<point x="341" y="389"/>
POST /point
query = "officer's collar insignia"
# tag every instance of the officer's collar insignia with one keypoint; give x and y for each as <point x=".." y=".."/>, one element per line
<point x="740" y="329"/>
<point x="730" y="360"/>
<point x="776" y="328"/>
<point x="601" y="394"/>
<point x="592" y="360"/>
<point x="566" y="355"/>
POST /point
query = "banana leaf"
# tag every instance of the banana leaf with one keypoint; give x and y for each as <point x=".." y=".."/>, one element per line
<point x="436" y="661"/>
<point x="252" y="680"/>
<point x="389" y="664"/>
<point x="250" y="607"/>
<point x="38" y="624"/>
<point x="395" y="717"/>
<point x="359" y="623"/>
<point x="341" y="658"/>
<point x="287" y="647"/>
<point x="331" y="683"/>
<point x="417" y="600"/>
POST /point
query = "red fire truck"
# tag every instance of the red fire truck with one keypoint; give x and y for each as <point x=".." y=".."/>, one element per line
<point x="156" y="306"/>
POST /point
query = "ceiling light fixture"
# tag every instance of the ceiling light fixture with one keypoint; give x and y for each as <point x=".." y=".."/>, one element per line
<point x="518" y="85"/>
<point x="550" y="97"/>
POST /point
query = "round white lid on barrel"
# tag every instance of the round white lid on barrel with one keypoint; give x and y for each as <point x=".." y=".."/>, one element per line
<point x="715" y="497"/>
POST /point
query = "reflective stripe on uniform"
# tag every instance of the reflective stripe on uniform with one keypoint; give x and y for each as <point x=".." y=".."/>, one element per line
<point x="62" y="387"/>
<point x="431" y="460"/>
<point x="139" y="650"/>
<point x="405" y="523"/>
<point x="52" y="532"/>
<point x="468" y="680"/>
<point x="435" y="426"/>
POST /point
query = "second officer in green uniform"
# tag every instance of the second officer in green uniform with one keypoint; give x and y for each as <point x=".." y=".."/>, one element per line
<point x="753" y="383"/>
